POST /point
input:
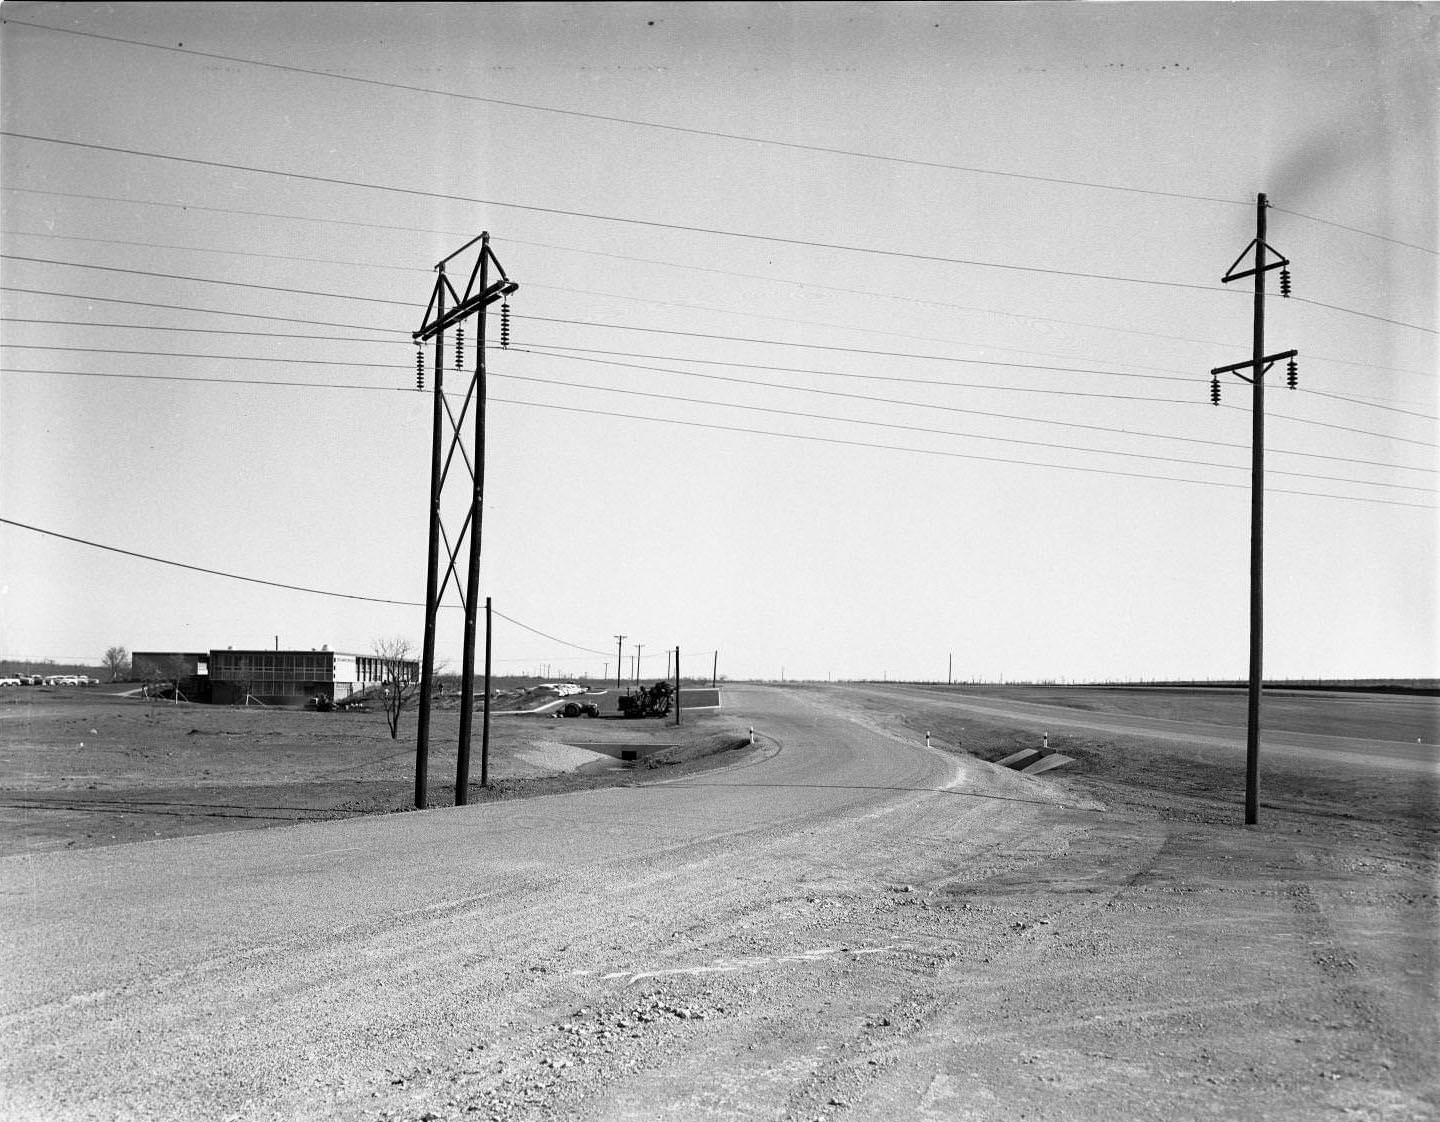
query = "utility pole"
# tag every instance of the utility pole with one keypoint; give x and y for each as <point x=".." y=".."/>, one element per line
<point x="485" y="726"/>
<point x="619" y="657"/>
<point x="480" y="292"/>
<point x="677" y="687"/>
<point x="638" y="648"/>
<point x="715" y="671"/>
<point x="1259" y="365"/>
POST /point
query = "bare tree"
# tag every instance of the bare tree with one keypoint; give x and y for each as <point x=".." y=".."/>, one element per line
<point x="117" y="661"/>
<point x="399" y="679"/>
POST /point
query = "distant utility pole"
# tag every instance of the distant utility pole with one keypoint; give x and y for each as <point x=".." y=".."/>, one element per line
<point x="619" y="657"/>
<point x="638" y="648"/>
<point x="449" y="308"/>
<point x="677" y="687"/>
<point x="1259" y="365"/>
<point x="715" y="671"/>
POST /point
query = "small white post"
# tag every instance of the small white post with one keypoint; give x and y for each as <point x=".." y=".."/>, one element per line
<point x="927" y="739"/>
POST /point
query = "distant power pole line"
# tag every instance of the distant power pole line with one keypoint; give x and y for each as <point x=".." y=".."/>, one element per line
<point x="449" y="308"/>
<point x="1259" y="365"/>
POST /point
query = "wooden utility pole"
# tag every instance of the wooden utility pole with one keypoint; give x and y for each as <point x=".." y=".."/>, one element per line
<point x="1258" y="365"/>
<point x="480" y="292"/>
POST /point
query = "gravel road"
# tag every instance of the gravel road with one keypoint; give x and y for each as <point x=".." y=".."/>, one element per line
<point x="849" y="925"/>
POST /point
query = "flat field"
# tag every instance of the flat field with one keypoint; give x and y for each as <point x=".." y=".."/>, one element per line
<point x="80" y="768"/>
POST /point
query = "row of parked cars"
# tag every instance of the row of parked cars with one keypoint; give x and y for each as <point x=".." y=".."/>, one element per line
<point x="48" y="680"/>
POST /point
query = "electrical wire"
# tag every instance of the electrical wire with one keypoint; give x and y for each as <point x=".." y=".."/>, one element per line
<point x="1374" y="405"/>
<point x="1352" y="229"/>
<point x="739" y="137"/>
<point x="786" y="435"/>
<point x="291" y="384"/>
<point x="559" y="350"/>
<point x="774" y="239"/>
<point x="206" y="280"/>
<point x="653" y="224"/>
<point x="805" y="415"/>
<point x="210" y="572"/>
<point x="271" y="583"/>
<point x="948" y="455"/>
<point x="1311" y="356"/>
<point x="203" y="311"/>
<point x="198" y="330"/>
<point x="610" y="119"/>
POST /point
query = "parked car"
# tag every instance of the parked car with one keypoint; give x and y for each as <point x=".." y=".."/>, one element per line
<point x="11" y="682"/>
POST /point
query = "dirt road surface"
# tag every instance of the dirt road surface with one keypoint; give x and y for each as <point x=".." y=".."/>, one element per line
<point x="848" y="925"/>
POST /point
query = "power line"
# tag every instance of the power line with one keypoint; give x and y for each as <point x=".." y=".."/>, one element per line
<point x="555" y="352"/>
<point x="649" y="301"/>
<point x="795" y="436"/>
<point x="286" y="257"/>
<point x="268" y="583"/>
<point x="204" y="280"/>
<point x="683" y="129"/>
<point x="1375" y="405"/>
<point x="707" y="269"/>
<point x="558" y="350"/>
<point x="652" y="224"/>
<point x="714" y="133"/>
<point x="545" y="635"/>
<point x="949" y="455"/>
<point x="805" y="415"/>
<point x="1352" y="229"/>
<point x="203" y="311"/>
<point x="209" y="572"/>
<point x="197" y="330"/>
<point x="291" y="384"/>
<point x="776" y="239"/>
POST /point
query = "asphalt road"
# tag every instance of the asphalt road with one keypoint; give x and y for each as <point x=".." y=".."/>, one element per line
<point x="849" y="925"/>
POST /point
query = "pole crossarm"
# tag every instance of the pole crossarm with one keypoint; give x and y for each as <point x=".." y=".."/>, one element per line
<point x="1280" y="262"/>
<point x="1268" y="361"/>
<point x="449" y="308"/>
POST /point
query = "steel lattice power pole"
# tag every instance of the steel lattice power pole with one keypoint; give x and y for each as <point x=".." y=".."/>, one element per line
<point x="480" y="292"/>
<point x="1259" y="365"/>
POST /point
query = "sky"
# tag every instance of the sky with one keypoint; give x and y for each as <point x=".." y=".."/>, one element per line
<point x="851" y="341"/>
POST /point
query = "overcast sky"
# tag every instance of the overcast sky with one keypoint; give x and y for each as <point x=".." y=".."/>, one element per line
<point x="851" y="338"/>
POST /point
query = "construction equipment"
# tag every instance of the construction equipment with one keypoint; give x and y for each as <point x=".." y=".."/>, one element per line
<point x="652" y="702"/>
<point x="578" y="709"/>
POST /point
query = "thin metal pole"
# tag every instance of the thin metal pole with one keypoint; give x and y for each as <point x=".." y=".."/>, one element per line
<point x="477" y="513"/>
<point x="485" y="725"/>
<point x="1257" y="529"/>
<point x="432" y="565"/>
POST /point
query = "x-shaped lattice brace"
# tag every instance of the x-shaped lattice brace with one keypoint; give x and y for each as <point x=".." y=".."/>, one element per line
<point x="448" y="308"/>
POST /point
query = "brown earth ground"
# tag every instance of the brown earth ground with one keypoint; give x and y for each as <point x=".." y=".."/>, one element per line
<point x="81" y="768"/>
<point x="1110" y="942"/>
